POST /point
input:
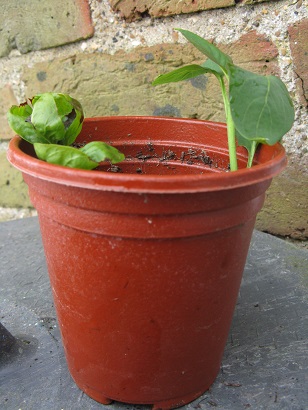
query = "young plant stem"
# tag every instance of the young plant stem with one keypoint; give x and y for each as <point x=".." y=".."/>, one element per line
<point x="251" y="154"/>
<point x="230" y="126"/>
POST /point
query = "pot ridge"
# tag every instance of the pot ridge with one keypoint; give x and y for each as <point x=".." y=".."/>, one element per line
<point x="167" y="131"/>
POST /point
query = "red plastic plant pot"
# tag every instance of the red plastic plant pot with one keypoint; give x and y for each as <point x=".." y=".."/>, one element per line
<point x="145" y="266"/>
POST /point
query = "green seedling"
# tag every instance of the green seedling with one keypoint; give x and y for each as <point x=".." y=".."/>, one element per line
<point x="258" y="108"/>
<point x="52" y="122"/>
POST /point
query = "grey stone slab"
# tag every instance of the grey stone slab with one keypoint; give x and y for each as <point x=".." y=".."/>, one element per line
<point x="266" y="358"/>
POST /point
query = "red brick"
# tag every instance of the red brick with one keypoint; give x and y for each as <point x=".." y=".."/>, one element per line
<point x="136" y="9"/>
<point x="38" y="24"/>
<point x="254" y="52"/>
<point x="285" y="209"/>
<point x="117" y="80"/>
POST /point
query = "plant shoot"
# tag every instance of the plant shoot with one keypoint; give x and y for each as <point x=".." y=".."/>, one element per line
<point x="258" y="108"/>
<point x="52" y="122"/>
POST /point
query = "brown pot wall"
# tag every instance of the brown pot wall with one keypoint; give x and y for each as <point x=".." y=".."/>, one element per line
<point x="145" y="268"/>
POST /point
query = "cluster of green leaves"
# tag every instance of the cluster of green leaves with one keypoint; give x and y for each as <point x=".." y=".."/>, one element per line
<point x="52" y="122"/>
<point x="258" y="108"/>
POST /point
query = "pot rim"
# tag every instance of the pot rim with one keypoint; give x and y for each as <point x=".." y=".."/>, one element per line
<point x="143" y="183"/>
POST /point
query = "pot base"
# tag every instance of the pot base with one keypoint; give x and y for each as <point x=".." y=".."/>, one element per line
<point x="96" y="395"/>
<point x="160" y="405"/>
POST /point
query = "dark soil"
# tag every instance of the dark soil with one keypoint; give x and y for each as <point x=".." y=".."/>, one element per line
<point x="151" y="159"/>
<point x="164" y="156"/>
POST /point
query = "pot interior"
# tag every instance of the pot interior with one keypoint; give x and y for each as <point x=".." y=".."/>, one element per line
<point x="162" y="155"/>
<point x="156" y="146"/>
<point x="153" y="158"/>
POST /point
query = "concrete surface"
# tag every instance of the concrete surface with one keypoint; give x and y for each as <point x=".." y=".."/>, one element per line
<point x="9" y="214"/>
<point x="265" y="362"/>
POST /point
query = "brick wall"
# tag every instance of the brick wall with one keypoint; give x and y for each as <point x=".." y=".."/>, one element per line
<point x="107" y="53"/>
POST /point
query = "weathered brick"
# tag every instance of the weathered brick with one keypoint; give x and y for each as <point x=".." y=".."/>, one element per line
<point x="136" y="9"/>
<point x="7" y="99"/>
<point x="285" y="211"/>
<point x="36" y="24"/>
<point x="299" y="47"/>
<point x="13" y="190"/>
<point x="254" y="52"/>
<point x="121" y="84"/>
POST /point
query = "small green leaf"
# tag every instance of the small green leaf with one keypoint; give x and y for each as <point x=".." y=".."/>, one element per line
<point x="261" y="107"/>
<point x="63" y="103"/>
<point x="99" y="151"/>
<point x="72" y="116"/>
<point x="73" y="123"/>
<point x="58" y="117"/>
<point x="49" y="118"/>
<point x="64" y="155"/>
<point x="180" y="74"/>
<point x="46" y="119"/>
<point x="207" y="48"/>
<point x="213" y="68"/>
<point x="19" y="119"/>
<point x="189" y="71"/>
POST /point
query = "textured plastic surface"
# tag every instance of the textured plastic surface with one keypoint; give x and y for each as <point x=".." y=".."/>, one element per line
<point x="145" y="269"/>
<point x="265" y="360"/>
<point x="178" y="134"/>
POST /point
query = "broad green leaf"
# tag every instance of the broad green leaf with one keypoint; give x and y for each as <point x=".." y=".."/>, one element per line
<point x="207" y="48"/>
<point x="99" y="151"/>
<point x="64" y="155"/>
<point x="19" y="119"/>
<point x="261" y="107"/>
<point x="180" y="74"/>
<point x="46" y="119"/>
